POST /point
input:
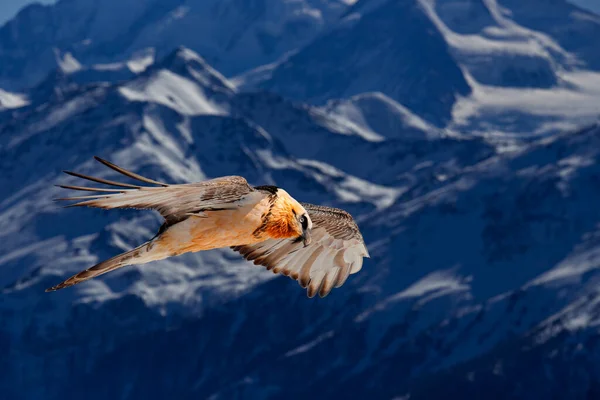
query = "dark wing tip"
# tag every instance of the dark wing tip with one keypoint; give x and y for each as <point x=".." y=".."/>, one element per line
<point x="311" y="292"/>
<point x="72" y="281"/>
<point x="56" y="287"/>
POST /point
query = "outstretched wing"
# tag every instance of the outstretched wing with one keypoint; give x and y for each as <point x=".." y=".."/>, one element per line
<point x="336" y="251"/>
<point x="173" y="202"/>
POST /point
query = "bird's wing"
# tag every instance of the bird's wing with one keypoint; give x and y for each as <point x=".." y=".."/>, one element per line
<point x="336" y="251"/>
<point x="174" y="202"/>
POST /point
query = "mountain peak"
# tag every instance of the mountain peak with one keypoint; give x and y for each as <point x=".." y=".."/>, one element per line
<point x="184" y="82"/>
<point x="186" y="62"/>
<point x="185" y="54"/>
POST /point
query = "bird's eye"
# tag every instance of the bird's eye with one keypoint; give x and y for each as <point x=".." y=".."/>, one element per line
<point x="304" y="222"/>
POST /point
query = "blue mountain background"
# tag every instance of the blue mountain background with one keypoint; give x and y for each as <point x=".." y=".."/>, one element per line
<point x="462" y="135"/>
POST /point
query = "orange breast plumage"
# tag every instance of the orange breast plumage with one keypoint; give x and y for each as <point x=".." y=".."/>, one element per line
<point x="216" y="229"/>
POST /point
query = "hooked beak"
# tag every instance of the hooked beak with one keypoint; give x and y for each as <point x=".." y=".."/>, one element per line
<point x="306" y="237"/>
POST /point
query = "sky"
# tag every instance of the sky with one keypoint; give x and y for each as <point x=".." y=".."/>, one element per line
<point x="9" y="8"/>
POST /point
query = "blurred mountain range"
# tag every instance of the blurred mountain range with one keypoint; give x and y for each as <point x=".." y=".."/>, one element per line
<point x="463" y="135"/>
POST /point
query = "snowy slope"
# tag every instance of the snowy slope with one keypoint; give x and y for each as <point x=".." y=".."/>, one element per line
<point x="317" y="134"/>
<point x="380" y="117"/>
<point x="571" y="26"/>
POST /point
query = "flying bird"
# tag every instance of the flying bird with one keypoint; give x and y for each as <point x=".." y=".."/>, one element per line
<point x="317" y="246"/>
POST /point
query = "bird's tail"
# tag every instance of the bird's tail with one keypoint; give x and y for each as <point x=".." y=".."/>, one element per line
<point x="149" y="251"/>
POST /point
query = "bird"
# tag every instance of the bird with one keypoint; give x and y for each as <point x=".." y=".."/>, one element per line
<point x="318" y="246"/>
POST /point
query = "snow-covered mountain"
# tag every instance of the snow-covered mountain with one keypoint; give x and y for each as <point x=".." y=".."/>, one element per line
<point x="377" y="48"/>
<point x="462" y="141"/>
<point x="180" y="120"/>
<point x="476" y="66"/>
<point x="233" y="35"/>
<point x="496" y="68"/>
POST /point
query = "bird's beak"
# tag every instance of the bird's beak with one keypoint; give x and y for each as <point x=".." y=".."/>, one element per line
<point x="306" y="237"/>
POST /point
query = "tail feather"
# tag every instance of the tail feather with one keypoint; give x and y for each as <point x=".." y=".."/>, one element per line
<point x="142" y="254"/>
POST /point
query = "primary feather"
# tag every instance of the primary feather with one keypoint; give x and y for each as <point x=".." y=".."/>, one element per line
<point x="173" y="202"/>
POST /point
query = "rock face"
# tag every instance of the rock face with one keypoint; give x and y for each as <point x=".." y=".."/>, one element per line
<point x="476" y="194"/>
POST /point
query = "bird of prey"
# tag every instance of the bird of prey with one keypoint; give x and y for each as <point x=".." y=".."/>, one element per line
<point x="314" y="245"/>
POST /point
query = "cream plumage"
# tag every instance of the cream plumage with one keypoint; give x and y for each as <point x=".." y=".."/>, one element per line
<point x="315" y="245"/>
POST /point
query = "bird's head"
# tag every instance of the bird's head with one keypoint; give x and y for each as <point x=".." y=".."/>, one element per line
<point x="303" y="224"/>
<point x="289" y="219"/>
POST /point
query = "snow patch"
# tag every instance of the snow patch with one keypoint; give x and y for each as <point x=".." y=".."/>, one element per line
<point x="306" y="347"/>
<point x="142" y="60"/>
<point x="10" y="100"/>
<point x="174" y="91"/>
<point x="66" y="62"/>
<point x="435" y="284"/>
<point x="570" y="270"/>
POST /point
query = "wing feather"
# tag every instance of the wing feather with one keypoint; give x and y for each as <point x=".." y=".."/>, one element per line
<point x="329" y="281"/>
<point x="344" y="268"/>
<point x="130" y="174"/>
<point x="336" y="251"/>
<point x="173" y="202"/>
